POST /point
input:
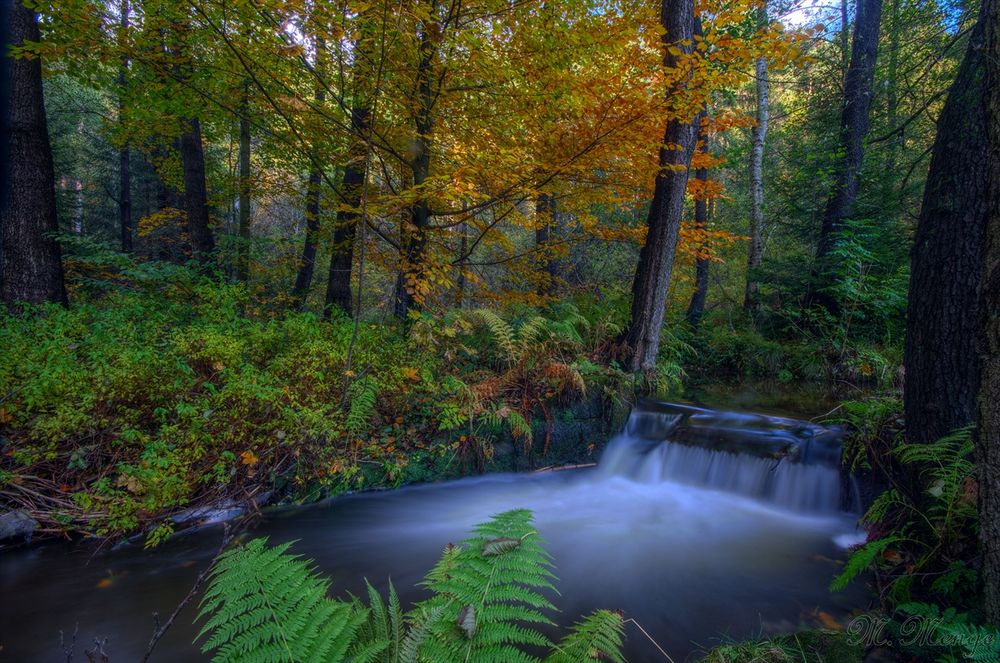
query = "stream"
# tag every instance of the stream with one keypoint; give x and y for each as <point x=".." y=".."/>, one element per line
<point x="701" y="525"/>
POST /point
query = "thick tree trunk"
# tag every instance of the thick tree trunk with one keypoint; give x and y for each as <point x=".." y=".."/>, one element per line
<point x="758" y="136"/>
<point x="29" y="257"/>
<point x="243" y="220"/>
<point x="988" y="429"/>
<point x="124" y="158"/>
<point x="545" y="224"/>
<point x="338" y="283"/>
<point x="696" y="308"/>
<point x="854" y="124"/>
<point x="656" y="259"/>
<point x="413" y="239"/>
<point x="195" y="192"/>
<point x="942" y="376"/>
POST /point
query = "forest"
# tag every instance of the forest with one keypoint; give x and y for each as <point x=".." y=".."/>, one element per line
<point x="678" y="321"/>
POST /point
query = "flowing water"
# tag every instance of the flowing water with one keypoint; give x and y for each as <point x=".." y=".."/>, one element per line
<point x="699" y="525"/>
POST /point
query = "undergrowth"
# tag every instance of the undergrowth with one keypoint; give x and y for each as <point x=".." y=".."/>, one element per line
<point x="161" y="389"/>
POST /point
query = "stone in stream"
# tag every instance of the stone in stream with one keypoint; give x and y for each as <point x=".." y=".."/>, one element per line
<point x="16" y="527"/>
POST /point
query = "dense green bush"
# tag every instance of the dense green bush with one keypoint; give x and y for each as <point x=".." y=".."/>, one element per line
<point x="161" y="388"/>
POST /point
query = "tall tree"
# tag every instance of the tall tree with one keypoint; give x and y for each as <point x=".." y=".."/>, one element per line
<point x="192" y="148"/>
<point x="307" y="265"/>
<point x="30" y="258"/>
<point x="758" y="137"/>
<point x="656" y="259"/>
<point x="196" y="191"/>
<point x="243" y="221"/>
<point x="988" y="429"/>
<point x="124" y="157"/>
<point x="854" y="123"/>
<point x="696" y="308"/>
<point x="545" y="224"/>
<point x="413" y="238"/>
<point x="338" y="283"/>
<point x="942" y="376"/>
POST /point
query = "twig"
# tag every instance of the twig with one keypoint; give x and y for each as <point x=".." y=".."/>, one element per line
<point x="72" y="643"/>
<point x="823" y="416"/>
<point x="160" y="630"/>
<point x="562" y="468"/>
<point x="650" y="638"/>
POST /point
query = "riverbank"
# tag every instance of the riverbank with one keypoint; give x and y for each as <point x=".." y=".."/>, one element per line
<point x="162" y="391"/>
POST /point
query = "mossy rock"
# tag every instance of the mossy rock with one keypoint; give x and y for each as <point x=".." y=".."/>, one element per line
<point x="816" y="646"/>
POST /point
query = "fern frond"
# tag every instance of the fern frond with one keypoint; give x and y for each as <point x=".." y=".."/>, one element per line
<point x="265" y="605"/>
<point x="860" y="560"/>
<point x="502" y="332"/>
<point x="362" y="394"/>
<point x="502" y="587"/>
<point x="598" y="637"/>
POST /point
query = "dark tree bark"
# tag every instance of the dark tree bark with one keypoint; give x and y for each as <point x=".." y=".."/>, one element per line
<point x="696" y="308"/>
<point x="30" y="257"/>
<point x="656" y="259"/>
<point x="413" y="239"/>
<point x="942" y="376"/>
<point x="545" y="224"/>
<point x="854" y="123"/>
<point x="124" y="157"/>
<point x="338" y="284"/>
<point x="988" y="429"/>
<point x="243" y="220"/>
<point x="307" y="266"/>
<point x="195" y="192"/>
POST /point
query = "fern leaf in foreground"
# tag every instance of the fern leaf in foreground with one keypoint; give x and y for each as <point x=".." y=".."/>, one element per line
<point x="265" y="605"/>
<point x="497" y="576"/>
<point x="598" y="637"/>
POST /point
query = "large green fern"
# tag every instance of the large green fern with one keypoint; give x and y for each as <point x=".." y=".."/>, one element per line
<point x="268" y="606"/>
<point x="490" y="589"/>
<point x="264" y="604"/>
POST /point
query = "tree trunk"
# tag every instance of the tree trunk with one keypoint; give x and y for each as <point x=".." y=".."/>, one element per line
<point x="759" y="134"/>
<point x="413" y="239"/>
<point x="338" y="284"/>
<point x="243" y="220"/>
<point x="462" y="248"/>
<point x="30" y="258"/>
<point x="656" y="259"/>
<point x="892" y="91"/>
<point x="988" y="429"/>
<point x="942" y="376"/>
<point x="124" y="158"/>
<point x="195" y="192"/>
<point x="854" y="124"/>
<point x="545" y="223"/>
<point x="307" y="266"/>
<point x="845" y="43"/>
<point x="696" y="308"/>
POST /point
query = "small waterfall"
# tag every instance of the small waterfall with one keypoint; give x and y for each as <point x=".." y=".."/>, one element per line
<point x="790" y="463"/>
